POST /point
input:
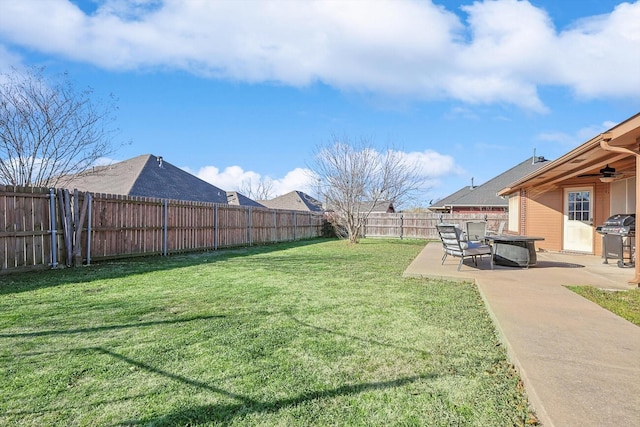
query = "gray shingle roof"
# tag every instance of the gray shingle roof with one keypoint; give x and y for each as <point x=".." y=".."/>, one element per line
<point x="295" y="201"/>
<point x="238" y="199"/>
<point x="146" y="176"/>
<point x="487" y="194"/>
<point x="384" y="206"/>
<point x="447" y="201"/>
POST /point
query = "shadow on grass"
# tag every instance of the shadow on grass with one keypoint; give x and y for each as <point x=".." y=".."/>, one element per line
<point x="179" y="378"/>
<point x="108" y="328"/>
<point x="356" y="338"/>
<point x="102" y="270"/>
<point x="225" y="413"/>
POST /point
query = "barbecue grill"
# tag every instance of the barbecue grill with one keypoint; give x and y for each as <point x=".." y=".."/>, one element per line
<point x="618" y="239"/>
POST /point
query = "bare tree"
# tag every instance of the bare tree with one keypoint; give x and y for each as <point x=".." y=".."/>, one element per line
<point x="260" y="190"/>
<point x="353" y="177"/>
<point x="49" y="129"/>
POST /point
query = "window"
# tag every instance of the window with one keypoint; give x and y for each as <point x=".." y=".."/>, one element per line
<point x="579" y="206"/>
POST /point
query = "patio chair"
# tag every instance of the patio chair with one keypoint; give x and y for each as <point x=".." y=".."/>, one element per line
<point x="453" y="245"/>
<point x="476" y="230"/>
<point x="500" y="229"/>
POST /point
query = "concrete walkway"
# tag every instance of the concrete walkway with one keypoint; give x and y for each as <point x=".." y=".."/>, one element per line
<point x="580" y="363"/>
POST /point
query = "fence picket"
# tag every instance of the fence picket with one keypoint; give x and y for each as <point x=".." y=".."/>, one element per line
<point x="422" y="225"/>
<point x="123" y="226"/>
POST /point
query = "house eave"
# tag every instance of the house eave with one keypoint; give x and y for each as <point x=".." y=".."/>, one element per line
<point x="588" y="158"/>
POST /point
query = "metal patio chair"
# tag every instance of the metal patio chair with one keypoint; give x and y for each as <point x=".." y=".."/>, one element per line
<point x="453" y="245"/>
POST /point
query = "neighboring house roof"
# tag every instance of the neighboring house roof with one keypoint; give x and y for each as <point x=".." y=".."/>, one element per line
<point x="447" y="201"/>
<point x="384" y="206"/>
<point x="235" y="198"/>
<point x="295" y="201"/>
<point x="486" y="195"/>
<point x="146" y="176"/>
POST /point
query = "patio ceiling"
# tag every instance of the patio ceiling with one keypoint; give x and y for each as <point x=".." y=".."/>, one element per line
<point x="588" y="158"/>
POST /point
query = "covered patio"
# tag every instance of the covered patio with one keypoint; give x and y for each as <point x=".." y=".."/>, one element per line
<point x="580" y="363"/>
<point x="559" y="267"/>
<point x="566" y="200"/>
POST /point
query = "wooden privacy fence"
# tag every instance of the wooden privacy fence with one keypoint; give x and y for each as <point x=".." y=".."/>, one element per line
<point x="42" y="228"/>
<point x="422" y="225"/>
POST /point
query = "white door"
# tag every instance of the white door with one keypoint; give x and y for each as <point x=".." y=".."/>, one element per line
<point x="578" y="219"/>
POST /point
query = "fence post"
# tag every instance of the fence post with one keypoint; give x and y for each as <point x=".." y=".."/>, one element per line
<point x="295" y="225"/>
<point x="401" y="226"/>
<point x="89" y="195"/>
<point x="52" y="217"/>
<point x="215" y="227"/>
<point x="165" y="227"/>
<point x="275" y="226"/>
<point x="249" y="226"/>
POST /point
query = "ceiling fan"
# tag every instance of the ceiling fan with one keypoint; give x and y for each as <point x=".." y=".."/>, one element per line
<point x="607" y="174"/>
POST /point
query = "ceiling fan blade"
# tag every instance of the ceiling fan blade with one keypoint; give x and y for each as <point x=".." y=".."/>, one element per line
<point x="589" y="174"/>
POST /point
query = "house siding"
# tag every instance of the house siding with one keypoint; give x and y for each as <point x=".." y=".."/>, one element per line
<point x="544" y="215"/>
<point x="544" y="218"/>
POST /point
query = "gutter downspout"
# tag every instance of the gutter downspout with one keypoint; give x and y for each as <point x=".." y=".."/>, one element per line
<point x="604" y="144"/>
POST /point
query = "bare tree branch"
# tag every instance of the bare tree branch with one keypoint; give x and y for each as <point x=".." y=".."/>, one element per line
<point x="49" y="129"/>
<point x="354" y="177"/>
<point x="260" y="190"/>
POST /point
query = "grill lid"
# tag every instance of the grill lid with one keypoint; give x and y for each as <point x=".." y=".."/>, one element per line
<point x="623" y="224"/>
<point x="621" y="220"/>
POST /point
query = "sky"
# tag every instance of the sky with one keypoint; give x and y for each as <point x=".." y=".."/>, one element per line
<point x="238" y="91"/>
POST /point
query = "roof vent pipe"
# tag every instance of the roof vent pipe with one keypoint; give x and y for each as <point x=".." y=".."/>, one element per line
<point x="472" y="186"/>
<point x="159" y="161"/>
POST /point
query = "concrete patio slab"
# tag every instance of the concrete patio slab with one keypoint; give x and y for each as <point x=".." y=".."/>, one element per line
<point x="580" y="363"/>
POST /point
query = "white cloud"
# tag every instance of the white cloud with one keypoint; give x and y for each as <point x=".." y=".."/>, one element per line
<point x="600" y="56"/>
<point x="297" y="179"/>
<point x="503" y="53"/>
<point x="432" y="164"/>
<point x="559" y="137"/>
<point x="8" y="60"/>
<point x="589" y="132"/>
<point x="579" y="137"/>
<point x="231" y="178"/>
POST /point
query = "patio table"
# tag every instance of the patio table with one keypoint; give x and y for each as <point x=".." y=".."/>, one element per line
<point x="512" y="250"/>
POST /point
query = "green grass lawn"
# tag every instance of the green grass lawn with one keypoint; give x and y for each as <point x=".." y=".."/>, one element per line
<point x="625" y="304"/>
<point x="310" y="333"/>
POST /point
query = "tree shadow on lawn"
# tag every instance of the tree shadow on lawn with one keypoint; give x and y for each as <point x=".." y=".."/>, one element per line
<point x="224" y="414"/>
<point x="356" y="338"/>
<point x="12" y="283"/>
<point x="109" y="327"/>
